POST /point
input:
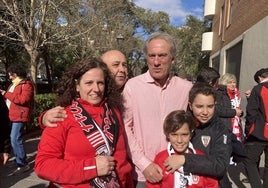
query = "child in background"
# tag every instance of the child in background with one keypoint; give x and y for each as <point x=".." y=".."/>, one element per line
<point x="178" y="128"/>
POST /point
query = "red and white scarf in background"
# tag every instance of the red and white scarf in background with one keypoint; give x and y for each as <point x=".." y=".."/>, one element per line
<point x="235" y="98"/>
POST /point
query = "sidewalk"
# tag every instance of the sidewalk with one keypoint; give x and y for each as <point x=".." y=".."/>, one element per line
<point x="27" y="179"/>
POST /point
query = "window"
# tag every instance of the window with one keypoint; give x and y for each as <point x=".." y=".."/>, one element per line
<point x="233" y="60"/>
<point x="216" y="63"/>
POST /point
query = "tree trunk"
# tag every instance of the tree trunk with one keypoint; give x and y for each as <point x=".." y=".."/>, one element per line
<point x="34" y="55"/>
<point x="46" y="57"/>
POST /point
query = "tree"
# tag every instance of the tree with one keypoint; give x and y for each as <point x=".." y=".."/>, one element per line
<point x="38" y="24"/>
<point x="190" y="57"/>
<point x="59" y="32"/>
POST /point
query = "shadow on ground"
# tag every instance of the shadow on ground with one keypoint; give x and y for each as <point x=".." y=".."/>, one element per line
<point x="27" y="179"/>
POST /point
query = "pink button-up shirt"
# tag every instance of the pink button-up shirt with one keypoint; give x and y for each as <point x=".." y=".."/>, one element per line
<point x="146" y="106"/>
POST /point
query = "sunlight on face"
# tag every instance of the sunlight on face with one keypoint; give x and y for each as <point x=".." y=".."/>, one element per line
<point x="231" y="84"/>
<point x="117" y="64"/>
<point x="12" y="76"/>
<point x="180" y="139"/>
<point x="159" y="60"/>
<point x="91" y="86"/>
<point x="203" y="107"/>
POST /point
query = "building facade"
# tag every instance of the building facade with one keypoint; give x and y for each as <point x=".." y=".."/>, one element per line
<point x="238" y="41"/>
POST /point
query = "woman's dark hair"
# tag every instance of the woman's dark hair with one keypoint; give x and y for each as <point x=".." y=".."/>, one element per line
<point x="17" y="69"/>
<point x="67" y="86"/>
<point x="175" y="120"/>
<point x="201" y="88"/>
<point x="208" y="75"/>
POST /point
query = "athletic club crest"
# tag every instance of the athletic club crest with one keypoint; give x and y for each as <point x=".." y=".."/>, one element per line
<point x="195" y="179"/>
<point x="205" y="140"/>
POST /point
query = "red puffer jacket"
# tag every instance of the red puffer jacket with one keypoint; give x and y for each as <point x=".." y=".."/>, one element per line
<point x="21" y="99"/>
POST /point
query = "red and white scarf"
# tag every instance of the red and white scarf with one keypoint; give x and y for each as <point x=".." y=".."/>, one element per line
<point x="102" y="138"/>
<point x="182" y="180"/>
<point x="235" y="98"/>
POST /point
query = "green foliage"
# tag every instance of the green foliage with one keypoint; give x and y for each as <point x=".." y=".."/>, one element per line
<point x="73" y="29"/>
<point x="42" y="102"/>
<point x="147" y="21"/>
<point x="190" y="57"/>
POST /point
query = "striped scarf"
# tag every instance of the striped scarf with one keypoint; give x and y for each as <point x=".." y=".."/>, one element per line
<point x="182" y="180"/>
<point x="235" y="98"/>
<point x="102" y="138"/>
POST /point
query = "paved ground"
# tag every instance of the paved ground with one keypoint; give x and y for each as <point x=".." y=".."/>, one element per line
<point x="30" y="180"/>
<point x="236" y="174"/>
<point x="27" y="179"/>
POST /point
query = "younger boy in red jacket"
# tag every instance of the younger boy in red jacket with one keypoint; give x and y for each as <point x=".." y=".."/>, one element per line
<point x="178" y="128"/>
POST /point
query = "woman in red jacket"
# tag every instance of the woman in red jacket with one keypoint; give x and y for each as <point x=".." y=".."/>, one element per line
<point x="19" y="99"/>
<point x="87" y="149"/>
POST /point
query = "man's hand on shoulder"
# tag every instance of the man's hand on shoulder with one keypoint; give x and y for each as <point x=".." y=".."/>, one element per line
<point x="53" y="115"/>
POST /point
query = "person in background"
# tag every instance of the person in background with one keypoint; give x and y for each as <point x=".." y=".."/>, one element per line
<point x="116" y="63"/>
<point x="228" y="102"/>
<point x="5" y="146"/>
<point x="19" y="99"/>
<point x="211" y="137"/>
<point x="179" y="128"/>
<point x="230" y="112"/>
<point x="208" y="75"/>
<point x="256" y="131"/>
<point x="87" y="149"/>
<point x="148" y="99"/>
<point x="257" y="78"/>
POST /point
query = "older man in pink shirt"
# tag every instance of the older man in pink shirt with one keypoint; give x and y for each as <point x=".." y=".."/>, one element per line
<point x="148" y="99"/>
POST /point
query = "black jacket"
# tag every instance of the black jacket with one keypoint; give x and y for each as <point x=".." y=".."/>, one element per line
<point x="213" y="139"/>
<point x="257" y="112"/>
<point x="4" y="127"/>
<point x="224" y="107"/>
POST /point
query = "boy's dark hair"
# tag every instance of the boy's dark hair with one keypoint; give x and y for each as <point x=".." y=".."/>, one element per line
<point x="201" y="88"/>
<point x="261" y="73"/>
<point x="208" y="75"/>
<point x="175" y="120"/>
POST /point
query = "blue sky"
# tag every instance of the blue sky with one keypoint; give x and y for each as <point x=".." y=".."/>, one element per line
<point x="177" y="9"/>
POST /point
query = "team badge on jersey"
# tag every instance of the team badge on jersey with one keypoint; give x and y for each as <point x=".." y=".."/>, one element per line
<point x="205" y="140"/>
<point x="195" y="179"/>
